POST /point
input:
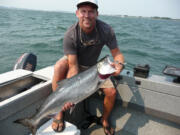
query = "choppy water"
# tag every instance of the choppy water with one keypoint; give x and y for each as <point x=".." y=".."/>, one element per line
<point x="141" y="40"/>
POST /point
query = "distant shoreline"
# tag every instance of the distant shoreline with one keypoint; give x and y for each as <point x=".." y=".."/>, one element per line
<point x="123" y="16"/>
<point x="153" y="17"/>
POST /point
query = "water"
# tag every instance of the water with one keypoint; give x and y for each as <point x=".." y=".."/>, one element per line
<point x="141" y="40"/>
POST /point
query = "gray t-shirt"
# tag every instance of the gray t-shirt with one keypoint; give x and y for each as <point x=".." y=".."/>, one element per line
<point x="74" y="40"/>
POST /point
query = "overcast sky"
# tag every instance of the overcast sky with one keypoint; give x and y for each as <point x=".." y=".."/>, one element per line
<point x="147" y="8"/>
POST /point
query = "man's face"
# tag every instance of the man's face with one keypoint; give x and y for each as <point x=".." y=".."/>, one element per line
<point x="87" y="16"/>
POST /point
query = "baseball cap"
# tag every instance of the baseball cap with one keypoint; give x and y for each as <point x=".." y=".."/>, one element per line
<point x="93" y="2"/>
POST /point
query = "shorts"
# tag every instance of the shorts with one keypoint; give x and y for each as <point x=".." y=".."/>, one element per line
<point x="107" y="84"/>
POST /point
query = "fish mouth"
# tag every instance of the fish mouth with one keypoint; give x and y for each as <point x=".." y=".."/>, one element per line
<point x="103" y="77"/>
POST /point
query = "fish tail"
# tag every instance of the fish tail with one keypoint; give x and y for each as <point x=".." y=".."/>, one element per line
<point x="28" y="123"/>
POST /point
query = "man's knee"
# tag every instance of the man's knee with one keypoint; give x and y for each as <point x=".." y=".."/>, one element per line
<point x="62" y="64"/>
<point x="60" y="70"/>
<point x="110" y="92"/>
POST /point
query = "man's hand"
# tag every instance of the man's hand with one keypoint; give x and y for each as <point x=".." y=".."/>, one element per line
<point x="118" y="61"/>
<point x="119" y="67"/>
<point x="67" y="106"/>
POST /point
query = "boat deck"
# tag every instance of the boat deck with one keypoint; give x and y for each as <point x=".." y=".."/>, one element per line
<point x="128" y="121"/>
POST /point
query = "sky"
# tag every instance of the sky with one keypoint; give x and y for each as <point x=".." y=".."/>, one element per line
<point x="146" y="8"/>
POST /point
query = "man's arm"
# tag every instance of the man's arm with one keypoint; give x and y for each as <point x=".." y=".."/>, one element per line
<point x="73" y="65"/>
<point x="118" y="60"/>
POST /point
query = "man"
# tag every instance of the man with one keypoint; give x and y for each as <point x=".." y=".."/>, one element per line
<point x="82" y="46"/>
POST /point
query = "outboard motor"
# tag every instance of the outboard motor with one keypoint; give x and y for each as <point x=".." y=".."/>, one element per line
<point x="26" y="61"/>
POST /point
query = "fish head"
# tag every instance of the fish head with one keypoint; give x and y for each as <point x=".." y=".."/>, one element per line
<point x="105" y="68"/>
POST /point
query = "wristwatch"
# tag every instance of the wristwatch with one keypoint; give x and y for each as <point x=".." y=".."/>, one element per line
<point x="122" y="64"/>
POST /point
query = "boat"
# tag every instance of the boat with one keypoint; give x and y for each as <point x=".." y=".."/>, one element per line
<point x="145" y="104"/>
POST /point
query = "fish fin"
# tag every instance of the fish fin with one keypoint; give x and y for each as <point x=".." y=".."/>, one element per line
<point x="28" y="123"/>
<point x="72" y="109"/>
<point x="99" y="85"/>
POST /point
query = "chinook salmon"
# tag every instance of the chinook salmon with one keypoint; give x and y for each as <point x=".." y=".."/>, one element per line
<point x="73" y="90"/>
